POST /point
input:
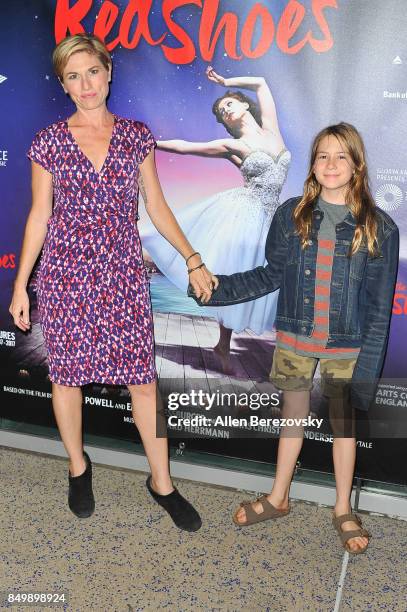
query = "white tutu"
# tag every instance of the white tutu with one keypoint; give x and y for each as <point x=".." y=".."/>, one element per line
<point x="229" y="229"/>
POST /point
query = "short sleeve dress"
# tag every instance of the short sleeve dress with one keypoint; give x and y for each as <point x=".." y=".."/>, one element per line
<point x="93" y="290"/>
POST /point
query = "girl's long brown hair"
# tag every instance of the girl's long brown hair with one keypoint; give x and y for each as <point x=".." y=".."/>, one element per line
<point x="358" y="196"/>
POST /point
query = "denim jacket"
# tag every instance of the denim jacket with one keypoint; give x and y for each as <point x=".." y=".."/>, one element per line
<point x="361" y="297"/>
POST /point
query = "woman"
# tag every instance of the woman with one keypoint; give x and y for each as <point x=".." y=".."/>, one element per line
<point x="231" y="227"/>
<point x="93" y="294"/>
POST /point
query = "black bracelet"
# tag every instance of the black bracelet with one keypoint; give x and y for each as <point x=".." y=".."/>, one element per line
<point x="197" y="268"/>
<point x="188" y="258"/>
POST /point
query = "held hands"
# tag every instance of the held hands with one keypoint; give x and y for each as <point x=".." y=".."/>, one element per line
<point x="213" y="76"/>
<point x="20" y="309"/>
<point x="202" y="280"/>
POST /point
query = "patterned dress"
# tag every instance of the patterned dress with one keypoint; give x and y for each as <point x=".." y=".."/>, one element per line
<point x="93" y="291"/>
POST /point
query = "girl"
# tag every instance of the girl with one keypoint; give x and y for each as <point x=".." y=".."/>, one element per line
<point x="334" y="256"/>
<point x="231" y="227"/>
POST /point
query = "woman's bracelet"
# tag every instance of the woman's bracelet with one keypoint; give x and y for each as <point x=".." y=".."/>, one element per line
<point x="188" y="258"/>
<point x="197" y="268"/>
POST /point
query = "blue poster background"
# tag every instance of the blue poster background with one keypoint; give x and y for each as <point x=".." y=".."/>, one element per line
<point x="360" y="79"/>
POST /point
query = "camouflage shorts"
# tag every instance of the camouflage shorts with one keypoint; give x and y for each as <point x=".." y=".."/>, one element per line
<point x="292" y="372"/>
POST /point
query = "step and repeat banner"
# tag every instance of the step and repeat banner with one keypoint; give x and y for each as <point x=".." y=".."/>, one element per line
<point x="310" y="63"/>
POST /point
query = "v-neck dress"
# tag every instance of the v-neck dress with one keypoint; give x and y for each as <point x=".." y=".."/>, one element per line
<point x="93" y="290"/>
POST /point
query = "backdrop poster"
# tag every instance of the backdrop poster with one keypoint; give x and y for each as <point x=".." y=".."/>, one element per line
<point x="321" y="61"/>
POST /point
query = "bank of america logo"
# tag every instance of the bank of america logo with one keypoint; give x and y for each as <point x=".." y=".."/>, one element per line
<point x="2" y="78"/>
<point x="397" y="60"/>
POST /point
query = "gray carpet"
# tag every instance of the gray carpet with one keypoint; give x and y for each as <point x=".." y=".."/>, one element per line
<point x="128" y="556"/>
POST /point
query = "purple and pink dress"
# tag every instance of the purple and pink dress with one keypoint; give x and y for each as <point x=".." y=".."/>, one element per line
<point x="93" y="291"/>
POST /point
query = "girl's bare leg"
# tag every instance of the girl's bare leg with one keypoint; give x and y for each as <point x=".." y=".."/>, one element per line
<point x="296" y="405"/>
<point x="67" y="405"/>
<point x="222" y="349"/>
<point x="344" y="457"/>
<point x="144" y="399"/>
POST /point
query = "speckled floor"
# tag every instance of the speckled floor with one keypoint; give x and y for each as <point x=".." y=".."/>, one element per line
<point x="128" y="556"/>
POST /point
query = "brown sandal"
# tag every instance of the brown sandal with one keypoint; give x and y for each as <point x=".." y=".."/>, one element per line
<point x="269" y="512"/>
<point x="337" y="522"/>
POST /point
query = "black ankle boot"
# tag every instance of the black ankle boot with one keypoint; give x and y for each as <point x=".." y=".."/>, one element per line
<point x="80" y="497"/>
<point x="180" y="510"/>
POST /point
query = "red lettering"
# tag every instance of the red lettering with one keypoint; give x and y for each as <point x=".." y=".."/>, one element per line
<point x="289" y="23"/>
<point x="185" y="54"/>
<point x="142" y="8"/>
<point x="317" y="8"/>
<point x="228" y="21"/>
<point x="400" y="307"/>
<point x="291" y="20"/>
<point x="68" y="19"/>
<point x="105" y="21"/>
<point x="267" y="32"/>
<point x="8" y="261"/>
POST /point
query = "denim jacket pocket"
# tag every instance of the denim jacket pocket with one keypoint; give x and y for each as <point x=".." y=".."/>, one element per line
<point x="294" y="249"/>
<point x="342" y="248"/>
<point x="358" y="263"/>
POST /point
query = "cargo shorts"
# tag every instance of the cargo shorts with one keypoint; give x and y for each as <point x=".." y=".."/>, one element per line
<point x="292" y="372"/>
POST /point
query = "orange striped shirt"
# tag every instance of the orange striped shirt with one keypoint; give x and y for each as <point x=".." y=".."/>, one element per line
<point x="315" y="345"/>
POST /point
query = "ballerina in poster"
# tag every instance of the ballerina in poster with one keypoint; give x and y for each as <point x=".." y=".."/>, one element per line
<point x="230" y="228"/>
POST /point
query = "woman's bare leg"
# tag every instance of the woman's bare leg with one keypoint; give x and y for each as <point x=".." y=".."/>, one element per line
<point x="67" y="404"/>
<point x="296" y="405"/>
<point x="222" y="349"/>
<point x="144" y="400"/>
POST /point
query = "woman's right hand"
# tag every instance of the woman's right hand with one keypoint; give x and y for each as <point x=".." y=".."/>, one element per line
<point x="214" y="76"/>
<point x="20" y="308"/>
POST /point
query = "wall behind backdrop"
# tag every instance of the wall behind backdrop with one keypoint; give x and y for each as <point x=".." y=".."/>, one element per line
<point x="324" y="61"/>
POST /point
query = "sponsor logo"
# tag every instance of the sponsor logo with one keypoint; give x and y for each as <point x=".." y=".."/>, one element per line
<point x="8" y="260"/>
<point x="2" y="78"/>
<point x="393" y="175"/>
<point x="3" y="157"/>
<point x="389" y="197"/>
<point x="400" y="300"/>
<point x="397" y="60"/>
<point x="395" y="95"/>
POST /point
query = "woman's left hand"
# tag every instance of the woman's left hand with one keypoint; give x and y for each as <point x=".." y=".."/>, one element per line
<point x="203" y="283"/>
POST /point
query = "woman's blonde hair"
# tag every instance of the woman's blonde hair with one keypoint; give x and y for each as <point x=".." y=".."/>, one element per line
<point x="76" y="43"/>
<point x="358" y="196"/>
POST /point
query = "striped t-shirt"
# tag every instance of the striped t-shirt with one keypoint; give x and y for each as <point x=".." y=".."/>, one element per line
<point x="315" y="345"/>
